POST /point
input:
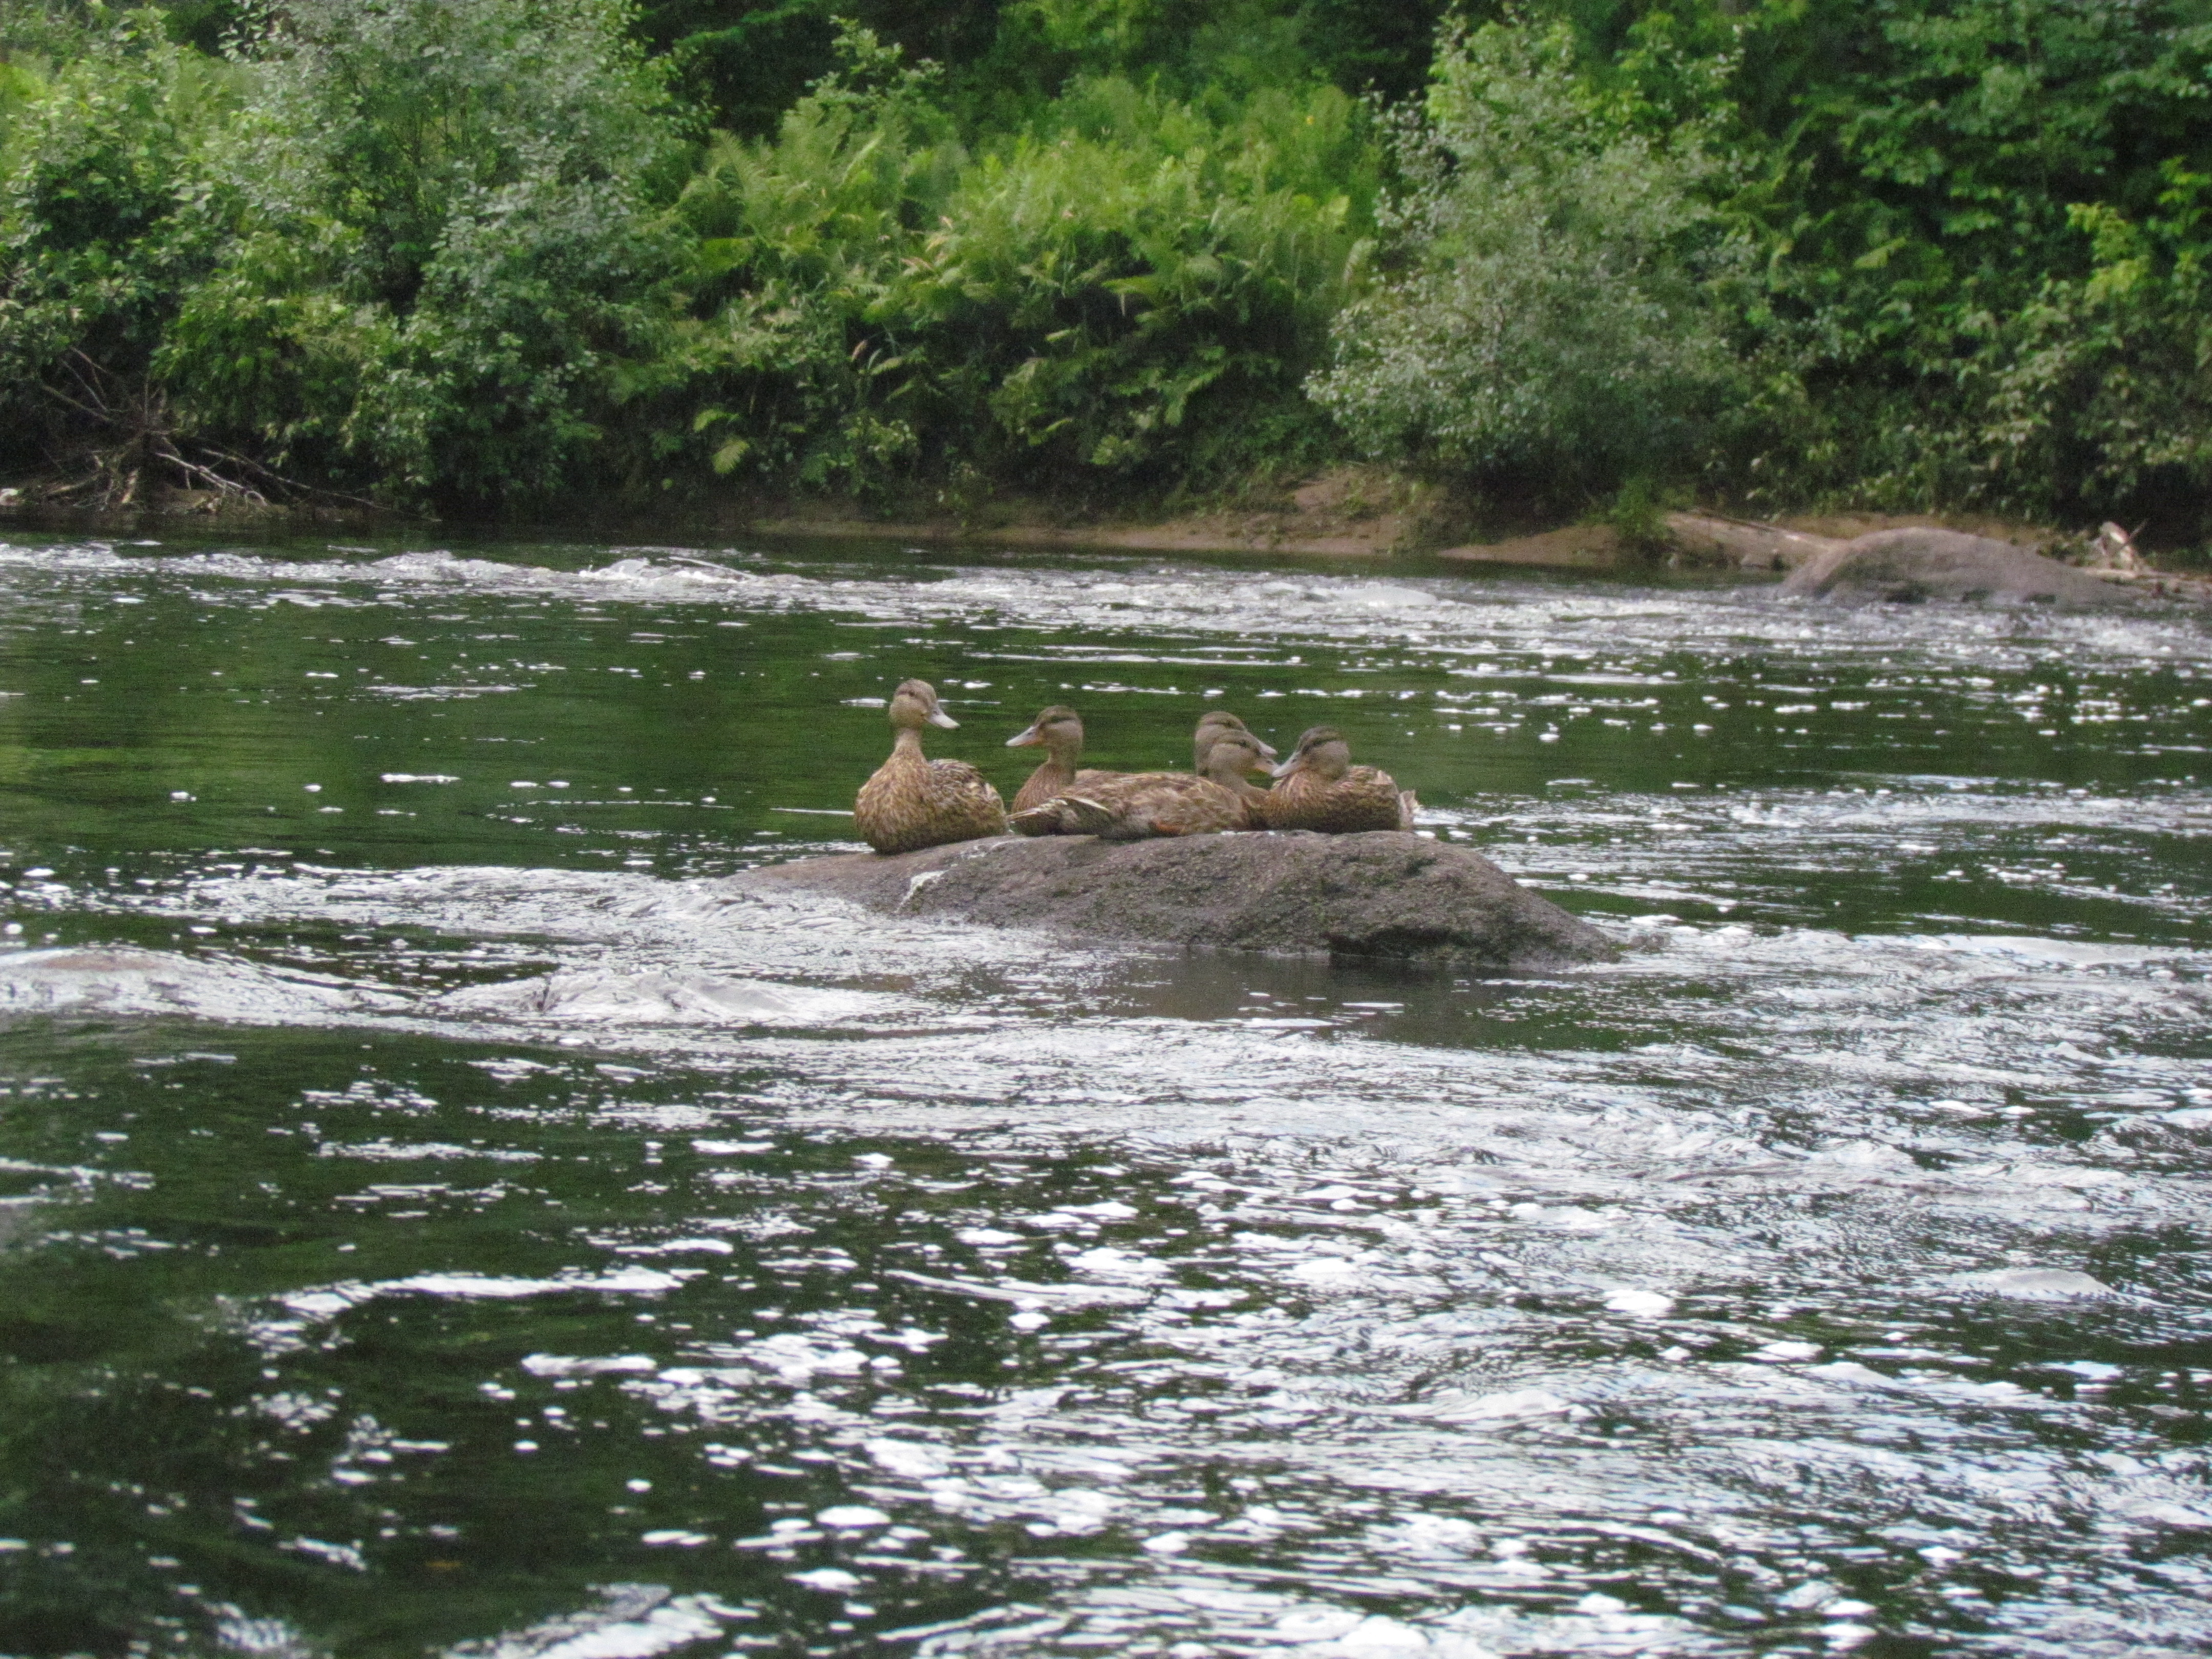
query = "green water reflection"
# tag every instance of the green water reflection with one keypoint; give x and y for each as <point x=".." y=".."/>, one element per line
<point x="346" y="1326"/>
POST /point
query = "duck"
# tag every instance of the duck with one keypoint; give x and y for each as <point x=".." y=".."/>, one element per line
<point x="1060" y="729"/>
<point x="1211" y="725"/>
<point x="912" y="802"/>
<point x="1320" y="788"/>
<point x="1132" y="806"/>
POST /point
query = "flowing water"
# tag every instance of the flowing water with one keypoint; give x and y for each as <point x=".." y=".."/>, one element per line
<point x="437" y="1213"/>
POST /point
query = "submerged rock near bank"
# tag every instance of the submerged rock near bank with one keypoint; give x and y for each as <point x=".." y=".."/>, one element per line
<point x="1904" y="566"/>
<point x="1384" y="896"/>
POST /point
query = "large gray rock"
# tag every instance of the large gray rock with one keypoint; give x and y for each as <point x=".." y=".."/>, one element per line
<point x="1914" y="564"/>
<point x="1385" y="896"/>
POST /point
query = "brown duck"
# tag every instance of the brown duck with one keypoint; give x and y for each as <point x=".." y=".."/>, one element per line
<point x="1320" y="788"/>
<point x="913" y="802"/>
<point x="1135" y="804"/>
<point x="1060" y="729"/>
<point x="1211" y="726"/>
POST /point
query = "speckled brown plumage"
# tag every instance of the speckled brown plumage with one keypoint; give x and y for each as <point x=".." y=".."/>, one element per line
<point x="912" y="802"/>
<point x="1320" y="788"/>
<point x="1136" y="804"/>
<point x="1060" y="729"/>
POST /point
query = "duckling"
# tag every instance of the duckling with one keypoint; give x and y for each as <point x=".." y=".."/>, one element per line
<point x="1135" y="804"/>
<point x="913" y="802"/>
<point x="1320" y="788"/>
<point x="1060" y="729"/>
<point x="1211" y="726"/>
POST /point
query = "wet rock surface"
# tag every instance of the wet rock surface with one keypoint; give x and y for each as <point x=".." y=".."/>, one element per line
<point x="1385" y="896"/>
<point x="1905" y="566"/>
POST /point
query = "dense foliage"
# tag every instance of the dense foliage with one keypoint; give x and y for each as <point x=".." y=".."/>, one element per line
<point x="1902" y="253"/>
<point x="1125" y="285"/>
<point x="1553" y="319"/>
<point x="1986" y="230"/>
<point x="407" y="249"/>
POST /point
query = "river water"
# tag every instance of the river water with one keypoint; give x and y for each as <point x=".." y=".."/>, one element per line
<point x="439" y="1215"/>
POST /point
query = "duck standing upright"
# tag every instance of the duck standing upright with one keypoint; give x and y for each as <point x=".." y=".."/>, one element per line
<point x="1320" y="788"/>
<point x="1060" y="729"/>
<point x="1131" y="806"/>
<point x="913" y="802"/>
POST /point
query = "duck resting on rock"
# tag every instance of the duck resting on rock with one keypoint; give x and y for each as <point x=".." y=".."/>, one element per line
<point x="912" y="802"/>
<point x="1060" y="729"/>
<point x="1320" y="788"/>
<point x="1133" y="805"/>
<point x="1213" y="724"/>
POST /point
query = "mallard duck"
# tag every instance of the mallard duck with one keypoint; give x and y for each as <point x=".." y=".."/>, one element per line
<point x="1060" y="729"/>
<point x="913" y="802"/>
<point x="1135" y="804"/>
<point x="1211" y="726"/>
<point x="1320" y="788"/>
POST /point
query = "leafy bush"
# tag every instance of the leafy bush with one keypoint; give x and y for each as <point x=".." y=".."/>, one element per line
<point x="400" y="245"/>
<point x="1984" y="244"/>
<point x="468" y="191"/>
<point x="1064" y="304"/>
<point x="107" y="212"/>
<point x="802" y="242"/>
<point x="1541" y="306"/>
<point x="1142" y="275"/>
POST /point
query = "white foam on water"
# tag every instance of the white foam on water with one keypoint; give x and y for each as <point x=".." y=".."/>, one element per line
<point x="633" y="1621"/>
<point x="122" y="981"/>
<point x="1690" y="1295"/>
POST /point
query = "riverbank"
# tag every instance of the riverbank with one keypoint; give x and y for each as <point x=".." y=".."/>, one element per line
<point x="1369" y="513"/>
<point x="1348" y="513"/>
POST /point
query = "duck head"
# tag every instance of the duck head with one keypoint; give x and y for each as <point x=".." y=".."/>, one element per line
<point x="1212" y="725"/>
<point x="915" y="705"/>
<point x="1058" y="728"/>
<point x="1233" y="754"/>
<point x="1322" y="751"/>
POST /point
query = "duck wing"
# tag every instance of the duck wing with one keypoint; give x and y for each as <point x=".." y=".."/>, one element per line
<point x="960" y="792"/>
<point x="1047" y="782"/>
<point x="1197" y="806"/>
<point x="1370" y="801"/>
<point x="1129" y="807"/>
<point x="1363" y="798"/>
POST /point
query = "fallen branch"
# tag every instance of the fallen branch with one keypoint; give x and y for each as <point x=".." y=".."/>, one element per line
<point x="145" y="437"/>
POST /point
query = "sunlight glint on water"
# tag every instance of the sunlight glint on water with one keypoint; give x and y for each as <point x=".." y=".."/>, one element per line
<point x="437" y="1212"/>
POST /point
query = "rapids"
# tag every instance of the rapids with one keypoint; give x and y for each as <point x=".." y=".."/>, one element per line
<point x="437" y="1213"/>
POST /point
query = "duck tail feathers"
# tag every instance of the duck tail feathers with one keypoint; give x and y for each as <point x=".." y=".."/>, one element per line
<point x="1081" y="816"/>
<point x="1063" y="814"/>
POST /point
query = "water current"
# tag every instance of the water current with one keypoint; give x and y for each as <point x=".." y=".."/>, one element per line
<point x="438" y="1215"/>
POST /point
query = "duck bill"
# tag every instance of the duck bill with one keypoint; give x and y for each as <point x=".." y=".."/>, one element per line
<point x="1267" y="750"/>
<point x="1025" y="740"/>
<point x="1285" y="769"/>
<point x="939" y="717"/>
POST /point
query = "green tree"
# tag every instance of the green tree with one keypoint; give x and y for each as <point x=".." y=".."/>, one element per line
<point x="449" y="262"/>
<point x="1979" y="224"/>
<point x="109" y="212"/>
<point x="1542" y="309"/>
